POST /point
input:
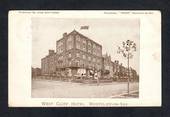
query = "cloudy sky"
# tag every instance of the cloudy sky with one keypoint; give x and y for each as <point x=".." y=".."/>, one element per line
<point x="108" y="32"/>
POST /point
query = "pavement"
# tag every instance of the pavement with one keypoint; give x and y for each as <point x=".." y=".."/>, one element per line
<point x="61" y="89"/>
<point x="132" y="94"/>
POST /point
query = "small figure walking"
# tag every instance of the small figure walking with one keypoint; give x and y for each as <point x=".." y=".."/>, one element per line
<point x="96" y="77"/>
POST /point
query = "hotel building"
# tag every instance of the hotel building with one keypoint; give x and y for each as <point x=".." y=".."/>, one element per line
<point x="74" y="52"/>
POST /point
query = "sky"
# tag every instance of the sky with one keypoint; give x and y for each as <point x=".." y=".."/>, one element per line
<point x="110" y="33"/>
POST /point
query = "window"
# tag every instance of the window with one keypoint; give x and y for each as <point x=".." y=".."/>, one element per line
<point x="59" y="49"/>
<point x="69" y="55"/>
<point x="89" y="58"/>
<point x="89" y="50"/>
<point x="89" y="47"/>
<point x="77" y="63"/>
<point x="94" y="46"/>
<point x="84" y="57"/>
<point x="89" y="43"/>
<point x="83" y="46"/>
<point x="99" y="61"/>
<point x="69" y="42"/>
<point x="78" y="45"/>
<point x="60" y="43"/>
<point x="70" y="47"/>
<point x="94" y="59"/>
<point x="94" y="52"/>
<point x="78" y="38"/>
<point x="60" y="58"/>
<point x="70" y="38"/>
<point x="84" y="41"/>
<point x="78" y="54"/>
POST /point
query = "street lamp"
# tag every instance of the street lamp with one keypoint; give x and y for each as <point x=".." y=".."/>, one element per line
<point x="127" y="49"/>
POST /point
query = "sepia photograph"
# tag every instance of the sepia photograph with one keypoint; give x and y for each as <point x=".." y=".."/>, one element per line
<point x="91" y="58"/>
<point x="85" y="58"/>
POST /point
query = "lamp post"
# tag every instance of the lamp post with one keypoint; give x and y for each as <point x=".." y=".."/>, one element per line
<point x="127" y="49"/>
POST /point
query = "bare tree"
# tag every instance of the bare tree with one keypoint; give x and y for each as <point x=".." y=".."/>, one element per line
<point x="127" y="50"/>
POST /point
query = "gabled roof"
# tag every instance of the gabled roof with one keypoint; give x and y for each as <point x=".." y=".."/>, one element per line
<point x="76" y="32"/>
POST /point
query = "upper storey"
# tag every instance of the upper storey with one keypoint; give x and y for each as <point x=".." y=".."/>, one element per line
<point x="76" y="40"/>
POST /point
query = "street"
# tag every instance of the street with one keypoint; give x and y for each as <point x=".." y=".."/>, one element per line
<point x="61" y="89"/>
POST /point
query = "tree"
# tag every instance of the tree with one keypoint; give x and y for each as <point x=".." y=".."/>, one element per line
<point x="127" y="50"/>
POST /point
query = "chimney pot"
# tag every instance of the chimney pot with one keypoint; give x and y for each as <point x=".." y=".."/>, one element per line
<point x="64" y="34"/>
<point x="51" y="52"/>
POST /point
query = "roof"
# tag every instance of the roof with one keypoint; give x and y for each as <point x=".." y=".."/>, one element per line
<point x="76" y="32"/>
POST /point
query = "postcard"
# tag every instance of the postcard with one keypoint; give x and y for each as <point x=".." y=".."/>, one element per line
<point x="84" y="58"/>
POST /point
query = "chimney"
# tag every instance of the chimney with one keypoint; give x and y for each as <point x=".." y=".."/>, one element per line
<point x="51" y="52"/>
<point x="64" y="34"/>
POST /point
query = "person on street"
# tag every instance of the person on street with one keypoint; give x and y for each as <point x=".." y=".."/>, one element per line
<point x="96" y="77"/>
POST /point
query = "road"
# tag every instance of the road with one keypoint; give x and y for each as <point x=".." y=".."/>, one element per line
<point x="60" y="89"/>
